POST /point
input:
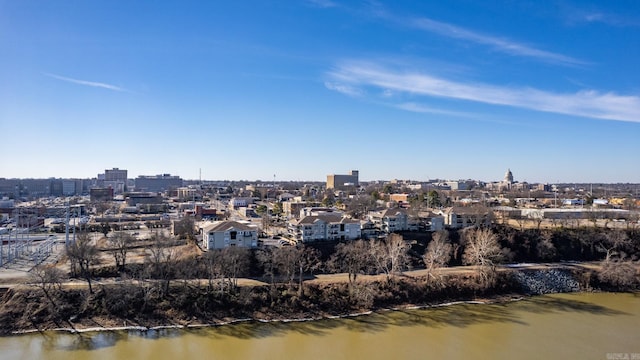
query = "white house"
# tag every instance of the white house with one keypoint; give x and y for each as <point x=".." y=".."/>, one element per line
<point x="223" y="234"/>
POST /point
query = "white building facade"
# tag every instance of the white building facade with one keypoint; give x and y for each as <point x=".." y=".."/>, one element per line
<point x="393" y="220"/>
<point x="224" y="234"/>
<point x="324" y="227"/>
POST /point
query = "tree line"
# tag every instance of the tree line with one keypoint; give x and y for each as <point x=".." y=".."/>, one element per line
<point x="483" y="247"/>
<point x="161" y="275"/>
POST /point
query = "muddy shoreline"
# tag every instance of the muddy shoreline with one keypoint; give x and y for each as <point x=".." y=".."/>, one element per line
<point x="126" y="307"/>
<point x="81" y="330"/>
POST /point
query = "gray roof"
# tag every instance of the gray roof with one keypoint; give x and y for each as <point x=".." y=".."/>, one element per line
<point x="471" y="210"/>
<point x="393" y="212"/>
<point x="226" y="226"/>
<point x="326" y="219"/>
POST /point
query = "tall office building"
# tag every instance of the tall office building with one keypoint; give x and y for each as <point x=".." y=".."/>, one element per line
<point x="115" y="174"/>
<point x="342" y="181"/>
<point x="158" y="183"/>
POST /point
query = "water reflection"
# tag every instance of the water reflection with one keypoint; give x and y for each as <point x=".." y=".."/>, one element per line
<point x="458" y="316"/>
<point x="81" y="341"/>
<point x="547" y="304"/>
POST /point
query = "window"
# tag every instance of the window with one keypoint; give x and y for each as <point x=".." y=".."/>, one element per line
<point x="233" y="235"/>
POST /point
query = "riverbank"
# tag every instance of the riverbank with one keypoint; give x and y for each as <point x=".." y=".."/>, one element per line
<point x="132" y="306"/>
<point x="592" y="326"/>
<point x="498" y="300"/>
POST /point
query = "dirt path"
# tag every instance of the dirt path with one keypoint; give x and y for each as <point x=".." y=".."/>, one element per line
<point x="20" y="278"/>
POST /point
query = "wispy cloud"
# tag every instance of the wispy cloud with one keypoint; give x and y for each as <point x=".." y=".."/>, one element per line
<point x="419" y="108"/>
<point x="322" y="3"/>
<point x="497" y="43"/>
<point x="591" y="14"/>
<point x="586" y="103"/>
<point x="87" y="83"/>
<point x="609" y="19"/>
<point x="376" y="10"/>
<point x="343" y="88"/>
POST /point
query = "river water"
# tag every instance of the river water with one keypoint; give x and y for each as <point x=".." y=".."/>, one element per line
<point x="561" y="326"/>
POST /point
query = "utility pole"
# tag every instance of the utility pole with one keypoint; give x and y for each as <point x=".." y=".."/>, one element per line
<point x="1" y="250"/>
<point x="66" y="239"/>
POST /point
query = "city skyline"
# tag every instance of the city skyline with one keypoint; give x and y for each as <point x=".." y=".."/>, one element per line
<point x="515" y="180"/>
<point x="246" y="90"/>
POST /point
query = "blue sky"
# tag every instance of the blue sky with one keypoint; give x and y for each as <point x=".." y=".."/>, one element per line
<point x="301" y="89"/>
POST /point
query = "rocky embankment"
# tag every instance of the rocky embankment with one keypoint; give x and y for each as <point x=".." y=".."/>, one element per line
<point x="547" y="281"/>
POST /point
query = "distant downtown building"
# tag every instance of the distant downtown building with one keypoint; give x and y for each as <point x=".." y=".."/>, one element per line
<point x="35" y="188"/>
<point x="341" y="182"/>
<point x="115" y="179"/>
<point x="158" y="183"/>
<point x="115" y="174"/>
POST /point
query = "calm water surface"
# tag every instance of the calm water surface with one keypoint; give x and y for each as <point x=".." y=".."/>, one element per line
<point x="563" y="326"/>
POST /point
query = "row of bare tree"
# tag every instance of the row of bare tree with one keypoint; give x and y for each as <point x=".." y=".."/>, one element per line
<point x="217" y="273"/>
<point x="286" y="264"/>
<point x="391" y="256"/>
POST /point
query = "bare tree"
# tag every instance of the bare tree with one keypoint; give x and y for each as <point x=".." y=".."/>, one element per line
<point x="267" y="259"/>
<point x="593" y="217"/>
<point x="187" y="268"/>
<point x="538" y="221"/>
<point x="545" y="248"/>
<point x="235" y="263"/>
<point x="480" y="215"/>
<point x="633" y="221"/>
<point x="120" y="243"/>
<point x="286" y="260"/>
<point x="438" y="252"/>
<point x="521" y="220"/>
<point x="353" y="258"/>
<point x="612" y="243"/>
<point x="390" y="256"/>
<point x="49" y="279"/>
<point x="398" y="249"/>
<point x="618" y="273"/>
<point x="482" y="249"/>
<point x="102" y="206"/>
<point x="160" y="261"/>
<point x="266" y="221"/>
<point x="105" y="228"/>
<point x="213" y="260"/>
<point x="185" y="228"/>
<point x="379" y="257"/>
<point x="309" y="262"/>
<point x="359" y="205"/>
<point x="225" y="266"/>
<point x="83" y="254"/>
